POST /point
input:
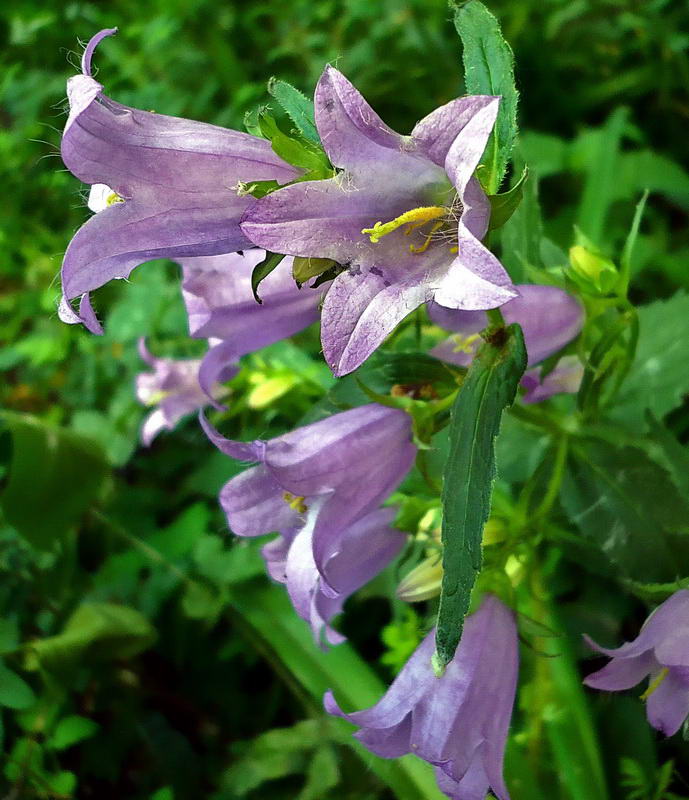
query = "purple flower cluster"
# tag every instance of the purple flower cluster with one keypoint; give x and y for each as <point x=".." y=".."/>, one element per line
<point x="404" y="218"/>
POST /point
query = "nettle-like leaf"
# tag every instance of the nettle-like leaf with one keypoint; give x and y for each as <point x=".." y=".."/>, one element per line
<point x="658" y="378"/>
<point x="489" y="69"/>
<point x="490" y="387"/>
<point x="628" y="506"/>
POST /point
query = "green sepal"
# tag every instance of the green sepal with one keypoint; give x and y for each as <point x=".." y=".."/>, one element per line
<point x="503" y="205"/>
<point x="297" y="106"/>
<point x="303" y="269"/>
<point x="262" y="270"/>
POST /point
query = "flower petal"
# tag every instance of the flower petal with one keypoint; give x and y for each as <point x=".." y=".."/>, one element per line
<point x="475" y="280"/>
<point x="435" y="133"/>
<point x="622" y="673"/>
<point x="468" y="146"/>
<point x="360" y="310"/>
<point x="668" y="705"/>
<point x="242" y="451"/>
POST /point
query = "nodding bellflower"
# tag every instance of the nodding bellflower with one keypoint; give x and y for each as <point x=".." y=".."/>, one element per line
<point x="174" y="388"/>
<point x="661" y="653"/>
<point x="366" y="548"/>
<point x="404" y="215"/>
<point x="458" y="722"/>
<point x="325" y="476"/>
<point x="549" y="317"/>
<point x="163" y="187"/>
<point x="220" y="305"/>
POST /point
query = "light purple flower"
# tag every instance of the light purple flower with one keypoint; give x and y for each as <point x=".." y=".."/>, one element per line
<point x="220" y="304"/>
<point x="166" y="187"/>
<point x="174" y="388"/>
<point x="549" y="317"/>
<point x="458" y="722"/>
<point x="390" y="186"/>
<point x="661" y="653"/>
<point x="564" y="379"/>
<point x="327" y="475"/>
<point x="366" y="548"/>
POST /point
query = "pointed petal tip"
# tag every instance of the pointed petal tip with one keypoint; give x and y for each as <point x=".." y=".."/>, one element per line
<point x="93" y="43"/>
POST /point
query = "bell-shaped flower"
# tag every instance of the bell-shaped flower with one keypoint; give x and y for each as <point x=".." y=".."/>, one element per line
<point x="660" y="653"/>
<point x="458" y="722"/>
<point x="327" y="475"/>
<point x="221" y="305"/>
<point x="366" y="548"/>
<point x="405" y="216"/>
<point x="549" y="317"/>
<point x="173" y="388"/>
<point x="165" y="187"/>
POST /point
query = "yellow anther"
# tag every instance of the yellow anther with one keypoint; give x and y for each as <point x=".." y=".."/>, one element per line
<point x="113" y="198"/>
<point x="424" y="246"/>
<point x="297" y="503"/>
<point x="414" y="218"/>
<point x="454" y="249"/>
<point x="465" y="344"/>
<point x="655" y="683"/>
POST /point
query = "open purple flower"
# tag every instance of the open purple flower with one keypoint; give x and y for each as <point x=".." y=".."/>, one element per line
<point x="166" y="187"/>
<point x="661" y="653"/>
<point x="458" y="722"/>
<point x="405" y="215"/>
<point x="549" y="317"/>
<point x="174" y="388"/>
<point x="366" y="548"/>
<point x="221" y="305"/>
<point x="328" y="475"/>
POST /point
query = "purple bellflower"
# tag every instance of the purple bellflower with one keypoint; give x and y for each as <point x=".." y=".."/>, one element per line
<point x="405" y="216"/>
<point x="661" y="653"/>
<point x="164" y="187"/>
<point x="366" y="548"/>
<point x="325" y="476"/>
<point x="549" y="317"/>
<point x="458" y="722"/>
<point x="220" y="305"/>
<point x="174" y="388"/>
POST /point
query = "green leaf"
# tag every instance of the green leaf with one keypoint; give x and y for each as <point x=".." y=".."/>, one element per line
<point x="298" y="106"/>
<point x="97" y="631"/>
<point x="305" y="268"/>
<point x="9" y="635"/>
<point x="658" y="379"/>
<point x="628" y="250"/>
<point x="599" y="187"/>
<point x="355" y="684"/>
<point x="72" y="730"/>
<point x="54" y="476"/>
<point x="262" y="270"/>
<point x="503" y="206"/>
<point x="15" y="692"/>
<point x="626" y="505"/>
<point x="520" y="237"/>
<point x="489" y="69"/>
<point x="490" y="387"/>
<point x="297" y="152"/>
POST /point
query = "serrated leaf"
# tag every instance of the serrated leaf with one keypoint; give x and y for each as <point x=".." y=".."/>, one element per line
<point x="262" y="270"/>
<point x="489" y="69"/>
<point x="658" y="379"/>
<point x="490" y="387"/>
<point x="297" y="106"/>
<point x="626" y="505"/>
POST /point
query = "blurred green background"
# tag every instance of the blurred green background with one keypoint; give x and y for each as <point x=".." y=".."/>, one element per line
<point x="137" y="660"/>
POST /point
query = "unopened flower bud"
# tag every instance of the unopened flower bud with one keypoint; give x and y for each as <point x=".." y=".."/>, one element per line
<point x="592" y="270"/>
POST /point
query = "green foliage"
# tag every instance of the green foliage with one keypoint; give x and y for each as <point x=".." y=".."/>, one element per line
<point x="262" y="270"/>
<point x="490" y="386"/>
<point x="297" y="106"/>
<point x="489" y="69"/>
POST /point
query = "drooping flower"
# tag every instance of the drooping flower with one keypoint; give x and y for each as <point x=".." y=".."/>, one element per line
<point x="164" y="187"/>
<point x="366" y="548"/>
<point x="405" y="216"/>
<point x="173" y="387"/>
<point x="458" y="722"/>
<point x="661" y="653"/>
<point x="221" y="305"/>
<point x="549" y="317"/>
<point x="327" y="475"/>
